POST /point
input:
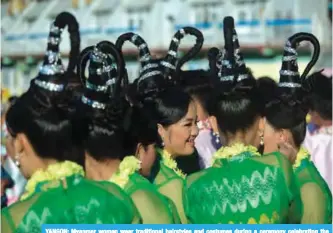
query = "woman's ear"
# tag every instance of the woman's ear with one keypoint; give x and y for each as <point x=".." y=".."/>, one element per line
<point x="20" y="143"/>
<point x="262" y="123"/>
<point x="283" y="135"/>
<point x="213" y="123"/>
<point x="261" y="126"/>
<point x="161" y="131"/>
<point x="140" y="151"/>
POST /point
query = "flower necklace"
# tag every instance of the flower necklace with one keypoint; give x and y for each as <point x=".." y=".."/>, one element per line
<point x="301" y="155"/>
<point x="228" y="152"/>
<point x="53" y="172"/>
<point x="170" y="162"/>
<point x="128" y="166"/>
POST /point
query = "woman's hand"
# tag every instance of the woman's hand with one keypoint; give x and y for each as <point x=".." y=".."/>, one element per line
<point x="288" y="151"/>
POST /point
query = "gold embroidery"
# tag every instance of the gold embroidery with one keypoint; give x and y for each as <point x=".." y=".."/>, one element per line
<point x="251" y="221"/>
<point x="50" y="185"/>
<point x="264" y="219"/>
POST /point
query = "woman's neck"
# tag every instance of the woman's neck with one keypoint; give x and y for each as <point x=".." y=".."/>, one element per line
<point x="172" y="155"/>
<point x="237" y="138"/>
<point x="101" y="170"/>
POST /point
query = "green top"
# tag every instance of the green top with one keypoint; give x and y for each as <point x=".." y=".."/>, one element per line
<point x="72" y="200"/>
<point x="153" y="207"/>
<point x="243" y="189"/>
<point x="170" y="184"/>
<point x="316" y="197"/>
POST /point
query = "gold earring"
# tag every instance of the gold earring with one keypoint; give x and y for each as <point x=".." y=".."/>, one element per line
<point x="17" y="162"/>
<point x="261" y="140"/>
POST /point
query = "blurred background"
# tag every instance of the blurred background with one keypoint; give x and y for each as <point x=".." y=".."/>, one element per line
<point x="262" y="26"/>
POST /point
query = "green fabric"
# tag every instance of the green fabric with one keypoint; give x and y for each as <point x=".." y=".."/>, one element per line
<point x="171" y="185"/>
<point x="73" y="200"/>
<point x="316" y="197"/>
<point x="241" y="190"/>
<point x="153" y="207"/>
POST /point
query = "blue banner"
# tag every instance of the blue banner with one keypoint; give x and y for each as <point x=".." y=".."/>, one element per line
<point x="161" y="228"/>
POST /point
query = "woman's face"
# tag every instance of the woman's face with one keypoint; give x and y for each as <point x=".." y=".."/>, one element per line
<point x="179" y="138"/>
<point x="201" y="112"/>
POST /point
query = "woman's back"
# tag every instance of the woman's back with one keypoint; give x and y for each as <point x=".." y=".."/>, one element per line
<point x="316" y="197"/>
<point x="154" y="207"/>
<point x="242" y="189"/>
<point x="73" y="200"/>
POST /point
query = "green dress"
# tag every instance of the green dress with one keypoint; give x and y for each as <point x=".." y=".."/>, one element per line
<point x="153" y="207"/>
<point x="169" y="181"/>
<point x="316" y="197"/>
<point x="243" y="189"/>
<point x="72" y="200"/>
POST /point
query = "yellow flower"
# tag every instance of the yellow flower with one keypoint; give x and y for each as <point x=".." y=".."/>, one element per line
<point x="308" y="118"/>
<point x="231" y="222"/>
<point x="275" y="217"/>
<point x="301" y="155"/>
<point x="170" y="162"/>
<point x="53" y="172"/>
<point x="251" y="221"/>
<point x="127" y="167"/>
<point x="228" y="152"/>
<point x="264" y="219"/>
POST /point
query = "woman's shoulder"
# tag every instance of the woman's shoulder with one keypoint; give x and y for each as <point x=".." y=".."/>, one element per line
<point x="166" y="175"/>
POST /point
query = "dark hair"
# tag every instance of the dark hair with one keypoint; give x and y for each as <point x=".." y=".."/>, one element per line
<point x="139" y="129"/>
<point x="37" y="113"/>
<point x="236" y="104"/>
<point x="154" y="99"/>
<point x="320" y="99"/>
<point x="101" y="109"/>
<point x="197" y="83"/>
<point x="12" y="100"/>
<point x="289" y="107"/>
<point x="266" y="89"/>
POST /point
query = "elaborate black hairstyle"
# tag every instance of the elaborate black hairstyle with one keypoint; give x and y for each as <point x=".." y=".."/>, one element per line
<point x="38" y="112"/>
<point x="267" y="88"/>
<point x="289" y="108"/>
<point x="154" y="99"/>
<point x="320" y="99"/>
<point x="156" y="74"/>
<point x="101" y="111"/>
<point x="236" y="103"/>
<point x="52" y="74"/>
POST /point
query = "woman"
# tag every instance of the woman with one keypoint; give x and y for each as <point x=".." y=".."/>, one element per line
<point x="319" y="141"/>
<point x="286" y="121"/>
<point x="42" y="142"/>
<point x="171" y="112"/>
<point x="101" y="124"/>
<point x="242" y="186"/>
<point x="198" y="84"/>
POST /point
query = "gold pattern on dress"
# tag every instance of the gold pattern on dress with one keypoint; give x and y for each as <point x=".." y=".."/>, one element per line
<point x="251" y="221"/>
<point x="264" y="219"/>
<point x="50" y="185"/>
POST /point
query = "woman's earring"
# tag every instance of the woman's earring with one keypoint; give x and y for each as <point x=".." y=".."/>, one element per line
<point x="17" y="162"/>
<point x="217" y="137"/>
<point x="261" y="140"/>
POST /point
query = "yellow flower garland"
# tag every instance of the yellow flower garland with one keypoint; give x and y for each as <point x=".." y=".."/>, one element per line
<point x="301" y="155"/>
<point x="227" y="152"/>
<point x="170" y="162"/>
<point x="127" y="167"/>
<point x="53" y="172"/>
